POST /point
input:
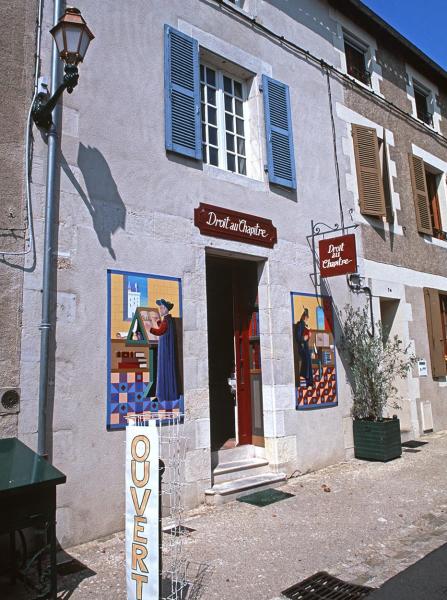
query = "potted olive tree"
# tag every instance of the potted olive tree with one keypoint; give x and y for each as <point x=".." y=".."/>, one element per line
<point x="376" y="362"/>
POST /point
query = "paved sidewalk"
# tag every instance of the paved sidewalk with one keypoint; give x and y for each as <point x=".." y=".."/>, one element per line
<point x="364" y="522"/>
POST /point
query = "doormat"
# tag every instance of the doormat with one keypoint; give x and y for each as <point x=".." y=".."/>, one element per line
<point x="413" y="444"/>
<point x="265" y="497"/>
<point x="179" y="530"/>
<point x="323" y="586"/>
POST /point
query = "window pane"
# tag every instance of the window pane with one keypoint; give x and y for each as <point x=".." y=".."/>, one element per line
<point x="211" y="76"/>
<point x="204" y="153"/>
<point x="240" y="126"/>
<point x="241" y="146"/>
<point x="230" y="142"/>
<point x="202" y="72"/>
<point x="203" y="132"/>
<point x="229" y="125"/>
<point x="231" y="163"/>
<point x="212" y="136"/>
<point x="241" y="163"/>
<point x="214" y="160"/>
<point x="238" y="106"/>
<point x="228" y="85"/>
<point x="203" y="112"/>
<point x="211" y="93"/>
<point x="212" y="116"/>
<point x="238" y="89"/>
<point x="202" y="92"/>
<point x="228" y="103"/>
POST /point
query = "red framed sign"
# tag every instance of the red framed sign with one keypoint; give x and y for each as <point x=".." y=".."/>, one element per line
<point x="232" y="225"/>
<point x="338" y="256"/>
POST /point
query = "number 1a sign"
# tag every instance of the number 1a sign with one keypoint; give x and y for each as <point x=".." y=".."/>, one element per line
<point x="142" y="512"/>
<point x="338" y="256"/>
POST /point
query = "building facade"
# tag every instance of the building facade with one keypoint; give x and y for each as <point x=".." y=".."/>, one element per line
<point x="203" y="140"/>
<point x="17" y="26"/>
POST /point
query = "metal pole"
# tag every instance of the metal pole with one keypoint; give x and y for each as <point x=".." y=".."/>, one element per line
<point x="314" y="258"/>
<point x="45" y="326"/>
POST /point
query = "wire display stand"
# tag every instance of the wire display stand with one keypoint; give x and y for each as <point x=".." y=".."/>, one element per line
<point x="172" y="450"/>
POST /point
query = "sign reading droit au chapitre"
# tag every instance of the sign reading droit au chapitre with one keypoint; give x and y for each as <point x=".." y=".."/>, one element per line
<point x="241" y="227"/>
<point x="142" y="511"/>
<point x="338" y="256"/>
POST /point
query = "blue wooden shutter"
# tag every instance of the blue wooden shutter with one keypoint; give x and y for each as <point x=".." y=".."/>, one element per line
<point x="182" y="94"/>
<point x="278" y="128"/>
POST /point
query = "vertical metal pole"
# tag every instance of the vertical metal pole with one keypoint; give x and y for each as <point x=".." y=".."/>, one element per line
<point x="314" y="258"/>
<point x="45" y="326"/>
<point x="161" y="470"/>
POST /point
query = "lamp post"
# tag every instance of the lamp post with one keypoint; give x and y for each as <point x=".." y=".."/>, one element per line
<point x="72" y="37"/>
<point x="71" y="40"/>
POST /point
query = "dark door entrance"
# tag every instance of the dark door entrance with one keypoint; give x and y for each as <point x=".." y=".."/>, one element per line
<point x="233" y="353"/>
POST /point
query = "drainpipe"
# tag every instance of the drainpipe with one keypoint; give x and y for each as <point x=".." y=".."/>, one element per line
<point x="45" y="325"/>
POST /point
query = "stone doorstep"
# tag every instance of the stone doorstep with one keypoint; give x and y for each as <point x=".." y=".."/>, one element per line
<point x="230" y="490"/>
<point x="227" y="471"/>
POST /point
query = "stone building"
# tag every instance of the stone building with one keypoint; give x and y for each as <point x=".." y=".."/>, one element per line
<point x="17" y="26"/>
<point x="202" y="140"/>
<point x="397" y="113"/>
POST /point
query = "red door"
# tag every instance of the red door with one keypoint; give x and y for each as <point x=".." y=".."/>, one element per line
<point x="241" y="319"/>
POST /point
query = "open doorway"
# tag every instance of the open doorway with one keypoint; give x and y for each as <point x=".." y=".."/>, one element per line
<point x="234" y="356"/>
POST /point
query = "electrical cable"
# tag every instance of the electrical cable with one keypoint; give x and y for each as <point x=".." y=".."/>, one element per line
<point x="28" y="133"/>
<point x="334" y="141"/>
<point x="336" y="73"/>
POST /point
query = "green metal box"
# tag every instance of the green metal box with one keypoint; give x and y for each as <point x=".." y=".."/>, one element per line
<point x="377" y="440"/>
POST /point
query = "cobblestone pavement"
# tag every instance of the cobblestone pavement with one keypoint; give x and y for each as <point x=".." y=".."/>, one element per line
<point x="364" y="522"/>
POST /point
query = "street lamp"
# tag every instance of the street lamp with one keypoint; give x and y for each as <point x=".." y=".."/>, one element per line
<point x="72" y="37"/>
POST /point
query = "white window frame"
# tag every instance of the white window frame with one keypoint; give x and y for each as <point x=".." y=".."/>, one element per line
<point x="438" y="167"/>
<point x="415" y="80"/>
<point x="221" y="125"/>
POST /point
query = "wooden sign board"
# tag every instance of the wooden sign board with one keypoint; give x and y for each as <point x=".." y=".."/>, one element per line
<point x="338" y="256"/>
<point x="232" y="225"/>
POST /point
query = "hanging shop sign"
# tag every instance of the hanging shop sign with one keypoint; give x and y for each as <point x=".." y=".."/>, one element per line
<point x="232" y="225"/>
<point x="142" y="511"/>
<point x="338" y="256"/>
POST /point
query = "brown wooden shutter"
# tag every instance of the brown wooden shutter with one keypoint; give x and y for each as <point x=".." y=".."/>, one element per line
<point x="420" y="195"/>
<point x="435" y="333"/>
<point x="369" y="177"/>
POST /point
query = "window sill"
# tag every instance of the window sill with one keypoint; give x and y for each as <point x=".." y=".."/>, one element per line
<point x="434" y="241"/>
<point x="235" y="178"/>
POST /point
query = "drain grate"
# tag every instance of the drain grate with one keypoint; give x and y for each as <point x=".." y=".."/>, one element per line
<point x="323" y="586"/>
<point x="411" y="450"/>
<point x="413" y="444"/>
<point x="179" y="530"/>
<point x="265" y="497"/>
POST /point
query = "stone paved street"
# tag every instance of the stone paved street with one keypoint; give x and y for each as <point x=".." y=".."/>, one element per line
<point x="364" y="522"/>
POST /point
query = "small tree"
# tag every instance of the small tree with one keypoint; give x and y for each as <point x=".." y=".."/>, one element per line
<point x="376" y="362"/>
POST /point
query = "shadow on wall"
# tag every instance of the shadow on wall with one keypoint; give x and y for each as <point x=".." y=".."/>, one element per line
<point x="102" y="199"/>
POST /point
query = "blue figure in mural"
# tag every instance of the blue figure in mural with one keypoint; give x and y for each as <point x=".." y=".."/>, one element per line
<point x="167" y="389"/>
<point x="302" y="338"/>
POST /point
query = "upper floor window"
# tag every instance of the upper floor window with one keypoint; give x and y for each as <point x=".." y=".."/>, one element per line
<point x="356" y="55"/>
<point x="223" y="126"/>
<point x="426" y="188"/>
<point x="421" y="97"/>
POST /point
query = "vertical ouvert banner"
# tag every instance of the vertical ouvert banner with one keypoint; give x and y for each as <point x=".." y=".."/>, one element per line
<point x="142" y="511"/>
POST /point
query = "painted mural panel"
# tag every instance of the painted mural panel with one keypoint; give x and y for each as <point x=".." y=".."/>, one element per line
<point x="314" y="351"/>
<point x="145" y="355"/>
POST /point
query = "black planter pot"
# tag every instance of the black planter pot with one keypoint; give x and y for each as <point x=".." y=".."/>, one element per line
<point x="377" y="440"/>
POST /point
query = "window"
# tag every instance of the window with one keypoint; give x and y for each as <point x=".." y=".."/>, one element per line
<point x="443" y="302"/>
<point x="356" y="61"/>
<point x="435" y="214"/>
<point x="223" y="127"/>
<point x="436" y="313"/>
<point x="421" y="101"/>
<point x="425" y="191"/>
